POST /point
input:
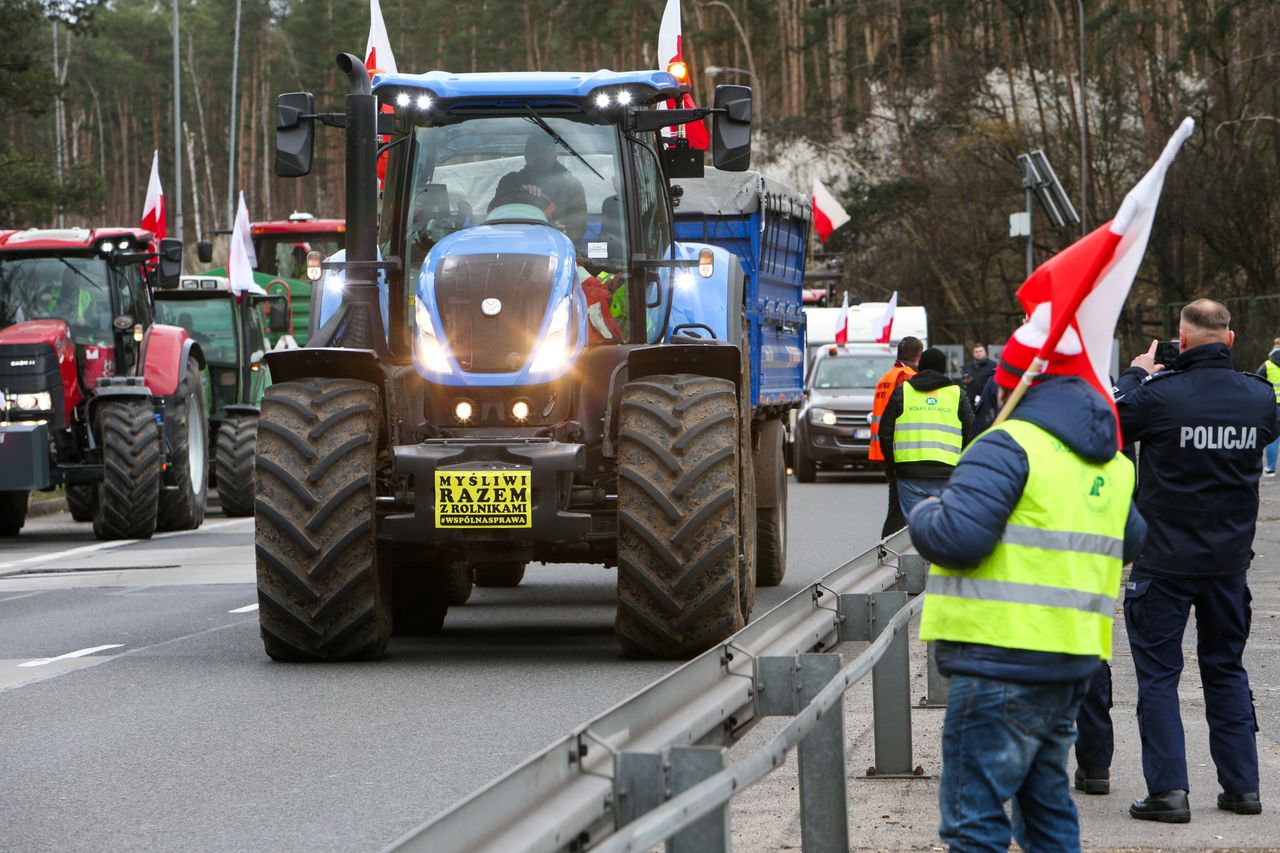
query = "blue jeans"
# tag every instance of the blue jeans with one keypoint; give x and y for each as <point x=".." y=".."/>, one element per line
<point x="1272" y="449"/>
<point x="911" y="492"/>
<point x="1003" y="740"/>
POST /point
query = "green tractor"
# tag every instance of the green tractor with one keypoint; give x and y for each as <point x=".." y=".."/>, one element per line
<point x="232" y="331"/>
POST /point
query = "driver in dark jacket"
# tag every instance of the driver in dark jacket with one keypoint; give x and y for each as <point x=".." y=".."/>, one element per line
<point x="547" y="185"/>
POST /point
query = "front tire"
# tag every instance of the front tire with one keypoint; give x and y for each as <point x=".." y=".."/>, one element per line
<point x="806" y="470"/>
<point x="323" y="593"/>
<point x="771" y="522"/>
<point x="233" y="464"/>
<point x="13" y="512"/>
<point x="82" y="502"/>
<point x="183" y="505"/>
<point x="678" y="515"/>
<point x="129" y="494"/>
<point x="505" y="574"/>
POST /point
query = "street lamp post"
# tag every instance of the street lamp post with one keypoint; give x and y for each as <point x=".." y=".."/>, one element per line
<point x="1084" y="132"/>
<point x="712" y="70"/>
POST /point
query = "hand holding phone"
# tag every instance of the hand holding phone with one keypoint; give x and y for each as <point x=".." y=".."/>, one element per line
<point x="1167" y="351"/>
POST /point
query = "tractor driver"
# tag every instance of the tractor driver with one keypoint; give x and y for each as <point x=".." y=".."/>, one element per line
<point x="547" y="185"/>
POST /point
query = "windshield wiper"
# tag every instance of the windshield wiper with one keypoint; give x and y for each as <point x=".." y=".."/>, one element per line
<point x="542" y="123"/>
<point x="68" y="265"/>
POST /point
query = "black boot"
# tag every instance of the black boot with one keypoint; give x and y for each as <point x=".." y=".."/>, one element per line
<point x="1240" y="803"/>
<point x="1093" y="780"/>
<point x="1166" y="807"/>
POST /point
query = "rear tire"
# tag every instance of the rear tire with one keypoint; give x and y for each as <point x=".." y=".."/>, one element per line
<point x="506" y="574"/>
<point x="420" y="594"/>
<point x="462" y="581"/>
<point x="233" y="464"/>
<point x="13" y="512"/>
<point x="82" y="502"/>
<point x="678" y="515"/>
<point x="323" y="592"/>
<point x="771" y="522"/>
<point x="188" y="429"/>
<point x="806" y="471"/>
<point x="129" y="494"/>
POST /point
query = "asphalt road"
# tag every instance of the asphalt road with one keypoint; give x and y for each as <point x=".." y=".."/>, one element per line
<point x="139" y="712"/>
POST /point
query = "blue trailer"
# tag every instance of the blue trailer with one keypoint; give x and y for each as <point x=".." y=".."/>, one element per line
<point x="527" y="363"/>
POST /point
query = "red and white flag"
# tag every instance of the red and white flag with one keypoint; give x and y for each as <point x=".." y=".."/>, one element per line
<point x="886" y="319"/>
<point x="828" y="214"/>
<point x="1087" y="283"/>
<point x="671" y="58"/>
<point x="153" y="213"/>
<point x="842" y="321"/>
<point x="378" y="57"/>
<point x="242" y="259"/>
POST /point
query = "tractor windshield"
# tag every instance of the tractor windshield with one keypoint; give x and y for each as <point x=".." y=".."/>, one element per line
<point x="285" y="255"/>
<point x="58" y="287"/>
<point x="211" y="322"/>
<point x="559" y="170"/>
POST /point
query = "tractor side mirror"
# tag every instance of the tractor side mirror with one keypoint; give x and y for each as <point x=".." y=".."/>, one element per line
<point x="295" y="133"/>
<point x="204" y="251"/>
<point x="731" y="129"/>
<point x="279" y="316"/>
<point x="169" y="263"/>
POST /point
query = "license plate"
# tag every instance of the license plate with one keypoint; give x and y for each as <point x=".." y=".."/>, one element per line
<point x="493" y="499"/>
<point x="862" y="433"/>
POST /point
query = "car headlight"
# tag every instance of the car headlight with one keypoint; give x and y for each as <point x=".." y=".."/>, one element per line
<point x="553" y="352"/>
<point x="430" y="350"/>
<point x="826" y="417"/>
<point x="41" y="401"/>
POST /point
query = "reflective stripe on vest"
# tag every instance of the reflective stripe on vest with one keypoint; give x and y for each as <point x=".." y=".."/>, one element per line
<point x="1051" y="583"/>
<point x="928" y="430"/>
<point x="1273" y="376"/>
<point x="884" y="390"/>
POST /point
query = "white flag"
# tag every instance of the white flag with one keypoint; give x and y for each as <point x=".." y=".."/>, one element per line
<point x="886" y="320"/>
<point x="378" y="57"/>
<point x="242" y="259"/>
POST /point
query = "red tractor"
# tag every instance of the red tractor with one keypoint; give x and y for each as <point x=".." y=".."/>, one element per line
<point x="94" y="395"/>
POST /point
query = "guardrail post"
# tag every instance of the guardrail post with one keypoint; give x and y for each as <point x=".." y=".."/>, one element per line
<point x="891" y="689"/>
<point x="913" y="571"/>
<point x="689" y="766"/>
<point x="824" y="800"/>
<point x="639" y="784"/>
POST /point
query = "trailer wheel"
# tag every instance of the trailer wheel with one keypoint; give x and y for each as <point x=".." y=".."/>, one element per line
<point x="82" y="501"/>
<point x="188" y="432"/>
<point x="323" y="593"/>
<point x="233" y="463"/>
<point x="420" y="594"/>
<point x="129" y="494"/>
<point x="806" y="471"/>
<point x="678" y="515"/>
<point x="748" y="496"/>
<point x="771" y="522"/>
<point x="13" y="512"/>
<point x="507" y="573"/>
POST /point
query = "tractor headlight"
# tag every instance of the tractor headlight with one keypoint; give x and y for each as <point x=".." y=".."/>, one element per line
<point x="430" y="350"/>
<point x="553" y="352"/>
<point x="826" y="417"/>
<point x="41" y="401"/>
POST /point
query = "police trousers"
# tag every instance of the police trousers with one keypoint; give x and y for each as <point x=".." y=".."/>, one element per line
<point x="1156" y="610"/>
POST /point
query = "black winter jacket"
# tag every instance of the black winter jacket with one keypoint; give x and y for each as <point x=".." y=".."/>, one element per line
<point x="925" y="380"/>
<point x="1202" y="427"/>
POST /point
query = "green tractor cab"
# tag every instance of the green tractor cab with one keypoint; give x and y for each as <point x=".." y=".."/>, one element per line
<point x="232" y="330"/>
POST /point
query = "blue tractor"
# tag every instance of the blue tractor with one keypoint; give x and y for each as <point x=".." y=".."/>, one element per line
<point x="518" y="362"/>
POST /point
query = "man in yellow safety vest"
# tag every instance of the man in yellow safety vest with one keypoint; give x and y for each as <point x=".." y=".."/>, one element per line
<point x="923" y="430"/>
<point x="1027" y="542"/>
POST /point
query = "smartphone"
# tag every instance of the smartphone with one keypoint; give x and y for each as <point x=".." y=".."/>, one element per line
<point x="1166" y="352"/>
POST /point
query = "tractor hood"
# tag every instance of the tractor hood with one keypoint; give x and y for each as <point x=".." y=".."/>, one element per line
<point x="38" y="357"/>
<point x="498" y="305"/>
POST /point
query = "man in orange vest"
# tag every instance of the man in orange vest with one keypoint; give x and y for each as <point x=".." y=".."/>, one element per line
<point x="904" y="368"/>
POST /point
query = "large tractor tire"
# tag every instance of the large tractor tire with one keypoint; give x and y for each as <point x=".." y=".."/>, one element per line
<point x="129" y="494"/>
<point x="507" y="573"/>
<point x="420" y="593"/>
<point x="183" y="506"/>
<point x="323" y="592"/>
<point x="771" y="521"/>
<point x="806" y="470"/>
<point x="678" y="515"/>
<point x="13" y="512"/>
<point x="233" y="463"/>
<point x="82" y="501"/>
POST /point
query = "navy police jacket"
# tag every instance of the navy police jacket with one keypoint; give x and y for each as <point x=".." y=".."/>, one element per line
<point x="963" y="527"/>
<point x="1202" y="427"/>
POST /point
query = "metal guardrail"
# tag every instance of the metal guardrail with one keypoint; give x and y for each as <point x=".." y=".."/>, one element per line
<point x="609" y="784"/>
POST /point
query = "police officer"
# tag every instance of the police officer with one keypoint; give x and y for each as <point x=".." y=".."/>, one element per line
<point x="909" y="349"/>
<point x="1202" y="427"/>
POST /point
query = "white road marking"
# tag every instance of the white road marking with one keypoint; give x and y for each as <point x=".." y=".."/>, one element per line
<point x="248" y="608"/>
<point x="76" y="654"/>
<point x="120" y="543"/>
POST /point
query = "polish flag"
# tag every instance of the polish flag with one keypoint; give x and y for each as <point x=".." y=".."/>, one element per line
<point x="886" y="319"/>
<point x="1087" y="283"/>
<point x="842" y="322"/>
<point x="242" y="258"/>
<point x="153" y="213"/>
<point x="828" y="214"/>
<point x="378" y="57"/>
<point x="671" y="58"/>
